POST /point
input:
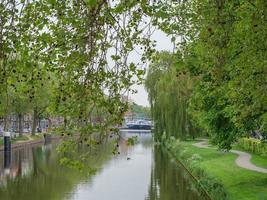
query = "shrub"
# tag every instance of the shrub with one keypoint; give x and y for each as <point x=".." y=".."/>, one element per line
<point x="254" y="145"/>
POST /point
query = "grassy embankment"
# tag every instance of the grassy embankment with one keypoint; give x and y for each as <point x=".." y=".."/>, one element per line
<point x="239" y="183"/>
<point x="23" y="138"/>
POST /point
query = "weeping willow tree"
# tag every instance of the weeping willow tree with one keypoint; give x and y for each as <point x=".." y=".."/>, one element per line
<point x="169" y="88"/>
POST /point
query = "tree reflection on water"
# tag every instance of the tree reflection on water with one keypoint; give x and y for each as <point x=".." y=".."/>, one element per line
<point x="168" y="181"/>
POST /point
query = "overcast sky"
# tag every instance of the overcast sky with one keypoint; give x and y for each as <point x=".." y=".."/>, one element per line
<point x="163" y="43"/>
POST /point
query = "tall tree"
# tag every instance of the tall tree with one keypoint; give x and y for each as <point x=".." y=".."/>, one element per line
<point x="169" y="86"/>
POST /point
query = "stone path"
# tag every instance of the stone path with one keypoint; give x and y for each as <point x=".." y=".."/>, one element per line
<point x="243" y="159"/>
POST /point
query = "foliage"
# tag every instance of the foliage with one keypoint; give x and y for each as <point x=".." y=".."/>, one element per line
<point x="253" y="145"/>
<point x="229" y="99"/>
<point x="70" y="59"/>
<point x="132" y="140"/>
<point x="215" y="80"/>
<point x="169" y="88"/>
<point x="140" y="110"/>
<point x="222" y="44"/>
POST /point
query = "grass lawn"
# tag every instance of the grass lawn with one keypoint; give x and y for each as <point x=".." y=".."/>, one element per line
<point x="22" y="139"/>
<point x="36" y="137"/>
<point x="260" y="161"/>
<point x="241" y="184"/>
<point x="19" y="139"/>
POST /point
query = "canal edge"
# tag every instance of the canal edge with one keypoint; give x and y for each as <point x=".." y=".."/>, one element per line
<point x="190" y="174"/>
<point x="31" y="142"/>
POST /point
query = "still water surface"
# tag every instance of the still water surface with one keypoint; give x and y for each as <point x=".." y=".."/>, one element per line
<point x="140" y="172"/>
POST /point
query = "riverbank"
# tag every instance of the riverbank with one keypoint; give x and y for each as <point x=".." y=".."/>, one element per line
<point x="221" y="168"/>
<point x="26" y="140"/>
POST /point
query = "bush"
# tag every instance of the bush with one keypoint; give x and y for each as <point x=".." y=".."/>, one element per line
<point x="254" y="145"/>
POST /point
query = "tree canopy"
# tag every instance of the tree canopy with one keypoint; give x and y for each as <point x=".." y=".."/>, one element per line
<point x="70" y="58"/>
<point x="223" y="47"/>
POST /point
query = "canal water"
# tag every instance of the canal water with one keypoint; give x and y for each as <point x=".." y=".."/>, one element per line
<point x="140" y="172"/>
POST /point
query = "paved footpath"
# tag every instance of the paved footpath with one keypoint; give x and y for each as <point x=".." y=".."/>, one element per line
<point x="243" y="159"/>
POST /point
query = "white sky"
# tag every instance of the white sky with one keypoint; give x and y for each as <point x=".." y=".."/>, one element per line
<point x="163" y="43"/>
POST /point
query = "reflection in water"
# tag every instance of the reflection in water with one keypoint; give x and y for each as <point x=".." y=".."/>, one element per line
<point x="168" y="181"/>
<point x="34" y="174"/>
<point x="7" y="159"/>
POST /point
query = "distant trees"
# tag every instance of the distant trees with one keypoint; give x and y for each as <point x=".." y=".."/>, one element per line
<point x="139" y="110"/>
<point x="24" y="81"/>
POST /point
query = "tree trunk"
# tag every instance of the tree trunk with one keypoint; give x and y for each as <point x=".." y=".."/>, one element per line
<point x="39" y="123"/>
<point x="6" y="123"/>
<point x="20" y="116"/>
<point x="34" y="121"/>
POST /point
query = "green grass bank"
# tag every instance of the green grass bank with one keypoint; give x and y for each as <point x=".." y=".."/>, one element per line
<point x="22" y="139"/>
<point x="219" y="174"/>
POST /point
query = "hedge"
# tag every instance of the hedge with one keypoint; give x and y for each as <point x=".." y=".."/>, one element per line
<point x="253" y="145"/>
